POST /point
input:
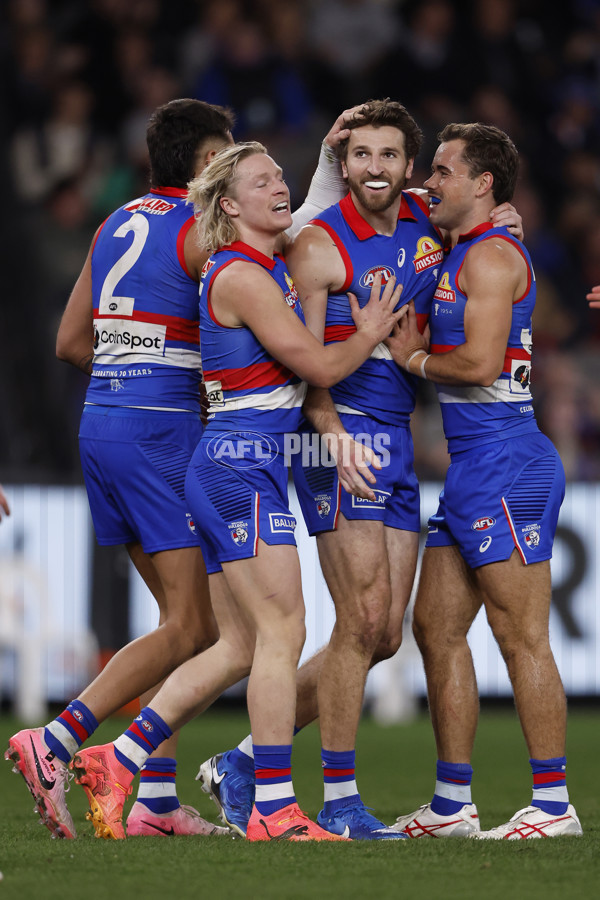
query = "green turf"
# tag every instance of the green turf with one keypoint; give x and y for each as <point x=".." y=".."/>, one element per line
<point x="395" y="773"/>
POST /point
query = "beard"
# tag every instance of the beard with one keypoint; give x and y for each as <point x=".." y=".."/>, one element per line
<point x="376" y="202"/>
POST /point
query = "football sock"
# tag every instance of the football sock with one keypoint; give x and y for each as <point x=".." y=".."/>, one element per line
<point x="339" y="779"/>
<point x="142" y="738"/>
<point x="273" y="773"/>
<point x="157" y="789"/>
<point x="65" y="734"/>
<point x="243" y="755"/>
<point x="550" y="785"/>
<point x="452" y="787"/>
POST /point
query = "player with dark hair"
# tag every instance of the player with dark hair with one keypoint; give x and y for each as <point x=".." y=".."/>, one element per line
<point x="490" y="541"/>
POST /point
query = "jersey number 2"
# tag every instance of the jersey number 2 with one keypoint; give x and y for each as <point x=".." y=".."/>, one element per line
<point x="109" y="302"/>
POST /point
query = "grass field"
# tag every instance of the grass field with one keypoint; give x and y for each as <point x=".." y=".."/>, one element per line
<point x="395" y="775"/>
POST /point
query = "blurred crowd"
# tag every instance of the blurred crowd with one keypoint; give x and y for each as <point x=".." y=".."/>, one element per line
<point x="79" y="79"/>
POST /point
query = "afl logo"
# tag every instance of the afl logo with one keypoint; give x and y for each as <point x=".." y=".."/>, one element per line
<point x="483" y="523"/>
<point x="369" y="276"/>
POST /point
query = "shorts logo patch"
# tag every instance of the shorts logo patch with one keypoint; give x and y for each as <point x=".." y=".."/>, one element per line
<point x="483" y="523"/>
<point x="281" y="522"/>
<point x="323" y="504"/>
<point x="190" y="523"/>
<point x="239" y="532"/>
<point x="485" y="544"/>
<point x="532" y="535"/>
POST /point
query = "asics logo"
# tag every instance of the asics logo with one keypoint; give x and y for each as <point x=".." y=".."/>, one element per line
<point x="294" y="831"/>
<point x="485" y="544"/>
<point x="45" y="783"/>
<point x="167" y="831"/>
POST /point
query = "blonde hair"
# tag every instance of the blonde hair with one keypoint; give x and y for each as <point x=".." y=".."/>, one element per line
<point x="215" y="228"/>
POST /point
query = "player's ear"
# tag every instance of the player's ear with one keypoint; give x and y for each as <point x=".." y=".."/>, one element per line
<point x="228" y="206"/>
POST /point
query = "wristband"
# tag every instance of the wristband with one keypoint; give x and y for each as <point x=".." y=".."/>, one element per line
<point x="423" y="361"/>
<point x="411" y="357"/>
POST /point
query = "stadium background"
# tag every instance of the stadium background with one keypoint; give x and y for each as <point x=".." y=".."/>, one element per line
<point x="78" y="80"/>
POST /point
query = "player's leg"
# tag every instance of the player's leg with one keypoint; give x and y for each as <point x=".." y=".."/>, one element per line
<point x="445" y="607"/>
<point x="178" y="581"/>
<point x="106" y="772"/>
<point x="517" y="602"/>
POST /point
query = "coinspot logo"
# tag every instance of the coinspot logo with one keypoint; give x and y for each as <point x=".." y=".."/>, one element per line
<point x="242" y="449"/>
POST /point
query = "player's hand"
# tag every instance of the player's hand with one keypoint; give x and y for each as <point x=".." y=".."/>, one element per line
<point x="507" y="215"/>
<point x="338" y="131"/>
<point x="354" y="462"/>
<point x="406" y="338"/>
<point x="593" y="297"/>
<point x="3" y="503"/>
<point x="378" y="317"/>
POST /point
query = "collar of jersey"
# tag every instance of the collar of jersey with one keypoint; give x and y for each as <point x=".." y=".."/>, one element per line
<point x="475" y="232"/>
<point x="360" y="226"/>
<point x="252" y="252"/>
<point x="169" y="191"/>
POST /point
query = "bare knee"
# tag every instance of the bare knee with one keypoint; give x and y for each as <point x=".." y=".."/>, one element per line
<point x="389" y="643"/>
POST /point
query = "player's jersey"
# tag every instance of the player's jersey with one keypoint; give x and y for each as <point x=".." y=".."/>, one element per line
<point x="247" y="388"/>
<point x="146" y="340"/>
<point x="474" y="415"/>
<point x="414" y="254"/>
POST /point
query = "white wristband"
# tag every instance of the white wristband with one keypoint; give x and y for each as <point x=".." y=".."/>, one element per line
<point x="423" y="361"/>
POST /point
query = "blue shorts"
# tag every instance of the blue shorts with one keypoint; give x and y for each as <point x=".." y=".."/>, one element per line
<point x="397" y="503"/>
<point x="234" y="503"/>
<point x="498" y="497"/>
<point x="134" y="464"/>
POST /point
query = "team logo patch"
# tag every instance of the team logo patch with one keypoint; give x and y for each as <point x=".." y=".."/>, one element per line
<point x="444" y="290"/>
<point x="146" y="725"/>
<point x="323" y="503"/>
<point x="483" y="523"/>
<point x="368" y="277"/>
<point x="282" y="522"/>
<point x="239" y="532"/>
<point x="428" y="254"/>
<point x="531" y="535"/>
<point x="77" y="715"/>
<point x="190" y="523"/>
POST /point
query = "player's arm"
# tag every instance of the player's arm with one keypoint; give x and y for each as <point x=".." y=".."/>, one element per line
<point x="328" y="185"/>
<point x="75" y="337"/>
<point x="317" y="268"/>
<point x="244" y="294"/>
<point x="194" y="254"/>
<point x="593" y="297"/>
<point x="494" y="276"/>
<point x="4" y="503"/>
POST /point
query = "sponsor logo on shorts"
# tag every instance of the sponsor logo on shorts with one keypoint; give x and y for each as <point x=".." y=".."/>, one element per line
<point x="242" y="449"/>
<point x="531" y="535"/>
<point x="323" y="504"/>
<point x="281" y="522"/>
<point x="485" y="544"/>
<point x="381" y="498"/>
<point x="483" y="523"/>
<point x="239" y="532"/>
<point x="190" y="523"/>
